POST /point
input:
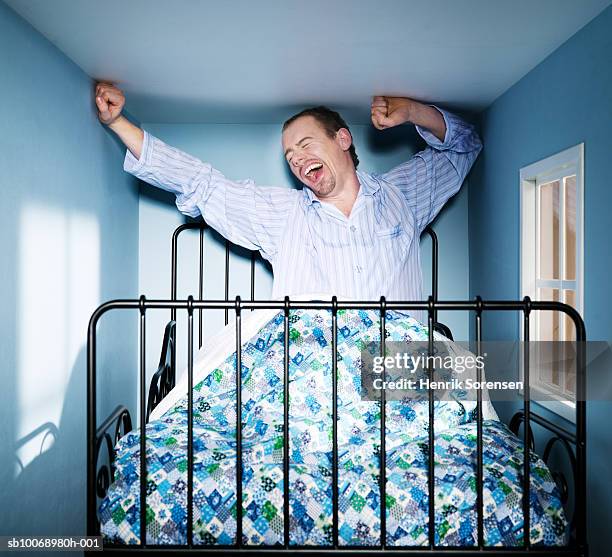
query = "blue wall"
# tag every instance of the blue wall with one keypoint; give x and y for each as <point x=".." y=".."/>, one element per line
<point x="565" y="100"/>
<point x="68" y="240"/>
<point x="254" y="151"/>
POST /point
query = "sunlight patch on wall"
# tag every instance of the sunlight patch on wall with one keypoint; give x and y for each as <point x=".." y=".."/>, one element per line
<point x="58" y="289"/>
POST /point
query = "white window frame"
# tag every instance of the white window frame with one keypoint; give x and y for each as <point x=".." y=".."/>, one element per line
<point x="567" y="162"/>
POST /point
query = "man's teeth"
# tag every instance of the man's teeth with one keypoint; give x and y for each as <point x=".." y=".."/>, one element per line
<point x="312" y="167"/>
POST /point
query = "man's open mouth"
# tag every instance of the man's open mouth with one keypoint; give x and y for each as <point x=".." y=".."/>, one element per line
<point x="313" y="172"/>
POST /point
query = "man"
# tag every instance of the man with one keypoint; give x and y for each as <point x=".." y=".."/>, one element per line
<point x="346" y="232"/>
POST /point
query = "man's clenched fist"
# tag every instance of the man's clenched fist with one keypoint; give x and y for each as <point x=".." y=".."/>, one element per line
<point x="110" y="101"/>
<point x="390" y="111"/>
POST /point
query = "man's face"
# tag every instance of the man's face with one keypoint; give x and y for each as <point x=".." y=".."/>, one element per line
<point x="315" y="158"/>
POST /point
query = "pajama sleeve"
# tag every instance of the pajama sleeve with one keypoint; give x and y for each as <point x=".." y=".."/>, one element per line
<point x="432" y="176"/>
<point x="246" y="214"/>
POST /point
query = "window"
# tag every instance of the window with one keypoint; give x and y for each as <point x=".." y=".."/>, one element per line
<point x="552" y="224"/>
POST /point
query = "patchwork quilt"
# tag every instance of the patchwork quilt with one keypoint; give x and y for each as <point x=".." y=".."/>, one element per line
<point x="310" y="452"/>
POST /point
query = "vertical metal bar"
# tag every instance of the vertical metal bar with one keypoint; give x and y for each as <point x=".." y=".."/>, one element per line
<point x="201" y="286"/>
<point x="173" y="356"/>
<point x="143" y="425"/>
<point x="238" y="424"/>
<point x="434" y="269"/>
<point x="527" y="426"/>
<point x="190" y="422"/>
<point x="479" y="447"/>
<point x="334" y="349"/>
<point x="227" y="259"/>
<point x="174" y="278"/>
<point x="431" y="470"/>
<point x="581" y="454"/>
<point x="92" y="519"/>
<point x="252" y="277"/>
<point x="383" y="421"/>
<point x="286" y="507"/>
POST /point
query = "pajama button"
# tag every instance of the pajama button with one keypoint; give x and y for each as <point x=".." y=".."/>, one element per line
<point x="353" y="228"/>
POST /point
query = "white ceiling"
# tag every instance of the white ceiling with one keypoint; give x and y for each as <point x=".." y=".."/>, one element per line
<point x="259" y="61"/>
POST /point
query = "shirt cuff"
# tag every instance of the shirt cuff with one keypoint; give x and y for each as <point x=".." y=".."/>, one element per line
<point x="431" y="138"/>
<point x="133" y="165"/>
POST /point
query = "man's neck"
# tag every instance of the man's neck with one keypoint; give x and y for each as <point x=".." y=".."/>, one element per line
<point x="347" y="194"/>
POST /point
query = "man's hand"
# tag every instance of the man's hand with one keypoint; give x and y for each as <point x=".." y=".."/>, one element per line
<point x="110" y="101"/>
<point x="393" y="111"/>
<point x="390" y="111"/>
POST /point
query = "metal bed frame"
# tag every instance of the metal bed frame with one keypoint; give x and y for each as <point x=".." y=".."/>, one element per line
<point x="99" y="476"/>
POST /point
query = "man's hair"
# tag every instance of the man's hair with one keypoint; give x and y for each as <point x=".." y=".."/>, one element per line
<point x="331" y="122"/>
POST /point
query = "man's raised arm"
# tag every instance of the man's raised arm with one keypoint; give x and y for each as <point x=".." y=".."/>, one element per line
<point x="432" y="176"/>
<point x="244" y="213"/>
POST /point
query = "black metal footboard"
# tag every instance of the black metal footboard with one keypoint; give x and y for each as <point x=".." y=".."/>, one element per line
<point x="578" y="542"/>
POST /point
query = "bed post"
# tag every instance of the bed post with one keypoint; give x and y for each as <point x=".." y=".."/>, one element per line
<point x="479" y="442"/>
<point x="581" y="440"/>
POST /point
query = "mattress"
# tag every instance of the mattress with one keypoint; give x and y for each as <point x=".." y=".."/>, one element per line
<point x="310" y="451"/>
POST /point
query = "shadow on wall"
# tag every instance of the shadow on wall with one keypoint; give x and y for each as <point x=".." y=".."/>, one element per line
<point x="34" y="487"/>
<point x="72" y="247"/>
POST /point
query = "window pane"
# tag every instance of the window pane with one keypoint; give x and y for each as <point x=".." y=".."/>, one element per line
<point x="549" y="230"/>
<point x="548" y="330"/>
<point x="570" y="328"/>
<point x="548" y="321"/>
<point x="570" y="228"/>
<point x="570" y="334"/>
